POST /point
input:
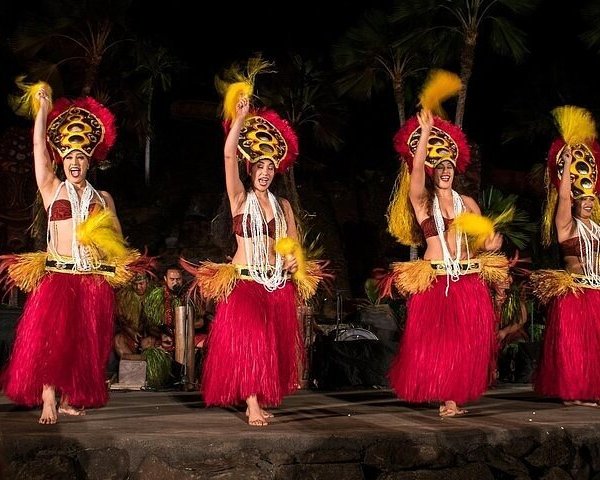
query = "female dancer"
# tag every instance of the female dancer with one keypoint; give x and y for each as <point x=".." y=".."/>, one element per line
<point x="449" y="339"/>
<point x="570" y="352"/>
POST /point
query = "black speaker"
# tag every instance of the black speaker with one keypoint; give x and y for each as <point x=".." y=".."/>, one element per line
<point x="350" y="361"/>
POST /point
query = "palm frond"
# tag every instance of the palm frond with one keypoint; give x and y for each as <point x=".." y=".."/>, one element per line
<point x="520" y="229"/>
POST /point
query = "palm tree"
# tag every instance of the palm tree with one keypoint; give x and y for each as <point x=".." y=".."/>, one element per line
<point x="71" y="40"/>
<point x="156" y="66"/>
<point x="520" y="229"/>
<point x="372" y="56"/>
<point x="306" y="99"/>
<point x="454" y="26"/>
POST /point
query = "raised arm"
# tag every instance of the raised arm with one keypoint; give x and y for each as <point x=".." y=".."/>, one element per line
<point x="563" y="219"/>
<point x="418" y="192"/>
<point x="235" y="188"/>
<point x="46" y="179"/>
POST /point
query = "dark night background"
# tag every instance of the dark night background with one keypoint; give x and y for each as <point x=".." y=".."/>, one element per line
<point x="344" y="192"/>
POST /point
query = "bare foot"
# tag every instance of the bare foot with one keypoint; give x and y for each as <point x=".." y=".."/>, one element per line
<point x="255" y="415"/>
<point x="67" y="409"/>
<point x="264" y="413"/>
<point x="451" y="409"/>
<point x="49" y="415"/>
<point x="579" y="403"/>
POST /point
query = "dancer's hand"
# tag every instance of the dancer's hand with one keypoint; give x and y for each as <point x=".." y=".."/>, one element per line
<point x="425" y="119"/>
<point x="290" y="263"/>
<point x="493" y="242"/>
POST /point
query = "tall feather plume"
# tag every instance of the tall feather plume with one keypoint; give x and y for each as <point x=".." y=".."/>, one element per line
<point x="438" y="87"/>
<point x="237" y="82"/>
<point x="575" y="124"/>
<point x="27" y="104"/>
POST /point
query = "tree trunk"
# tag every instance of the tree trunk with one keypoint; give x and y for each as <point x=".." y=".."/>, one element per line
<point x="467" y="57"/>
<point x="148" y="138"/>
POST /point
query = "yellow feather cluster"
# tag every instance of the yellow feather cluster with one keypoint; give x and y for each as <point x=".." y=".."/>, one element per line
<point x="576" y="124"/>
<point x="474" y="225"/>
<point x="402" y="223"/>
<point x="413" y="277"/>
<point x="439" y="86"/>
<point x="99" y="231"/>
<point x="307" y="284"/>
<point x="494" y="268"/>
<point x="28" y="104"/>
<point x="549" y="284"/>
<point x="28" y="270"/>
<point x="123" y="274"/>
<point x="238" y="82"/>
<point x="216" y="280"/>
<point x="288" y="246"/>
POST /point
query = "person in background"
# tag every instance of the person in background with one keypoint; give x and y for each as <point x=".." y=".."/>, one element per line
<point x="130" y="316"/>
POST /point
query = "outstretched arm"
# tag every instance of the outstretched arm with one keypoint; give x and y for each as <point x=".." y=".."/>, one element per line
<point x="45" y="177"/>
<point x="563" y="219"/>
<point x="418" y="192"/>
<point x="235" y="188"/>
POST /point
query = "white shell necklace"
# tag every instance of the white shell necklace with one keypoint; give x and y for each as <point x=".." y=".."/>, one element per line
<point x="453" y="270"/>
<point x="589" y="246"/>
<point x="257" y="242"/>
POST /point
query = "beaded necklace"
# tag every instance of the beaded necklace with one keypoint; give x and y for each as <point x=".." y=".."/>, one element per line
<point x="589" y="246"/>
<point x="453" y="270"/>
<point x="257" y="242"/>
<point x="82" y="258"/>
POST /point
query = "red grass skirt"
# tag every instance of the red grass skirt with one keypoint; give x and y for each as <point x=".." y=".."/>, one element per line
<point x="569" y="366"/>
<point x="253" y="347"/>
<point x="63" y="339"/>
<point x="448" y="343"/>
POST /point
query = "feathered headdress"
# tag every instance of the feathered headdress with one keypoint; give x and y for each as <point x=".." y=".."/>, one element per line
<point x="81" y="124"/>
<point x="577" y="129"/>
<point x="265" y="135"/>
<point x="447" y="142"/>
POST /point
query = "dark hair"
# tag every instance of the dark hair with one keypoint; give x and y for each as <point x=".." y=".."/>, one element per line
<point x="172" y="266"/>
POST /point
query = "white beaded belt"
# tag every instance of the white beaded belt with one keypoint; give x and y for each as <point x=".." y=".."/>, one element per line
<point x="70" y="267"/>
<point x="585" y="281"/>
<point x="243" y="272"/>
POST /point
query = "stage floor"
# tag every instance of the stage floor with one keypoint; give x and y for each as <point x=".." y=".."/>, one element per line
<point x="358" y="434"/>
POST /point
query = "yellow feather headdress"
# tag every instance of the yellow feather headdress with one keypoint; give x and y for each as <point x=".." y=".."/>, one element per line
<point x="446" y="142"/>
<point x="239" y="82"/>
<point x="577" y="129"/>
<point x="439" y="86"/>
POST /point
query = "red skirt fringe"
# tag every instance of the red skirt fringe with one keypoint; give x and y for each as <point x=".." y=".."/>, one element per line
<point x="448" y="343"/>
<point x="63" y="339"/>
<point x="570" y="358"/>
<point x="253" y="347"/>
